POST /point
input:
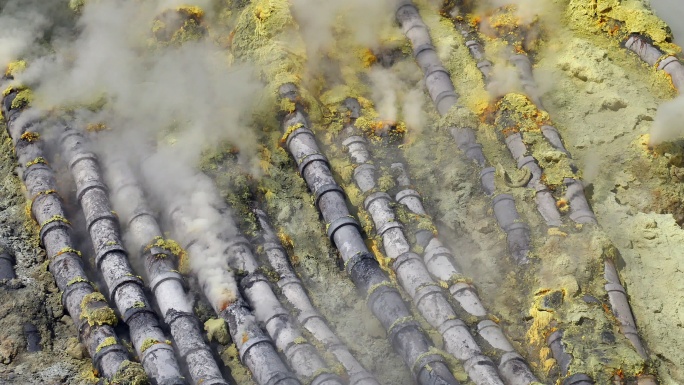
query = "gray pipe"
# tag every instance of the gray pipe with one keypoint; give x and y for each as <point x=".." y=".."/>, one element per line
<point x="95" y="320"/>
<point x="518" y="237"/>
<point x="653" y="56"/>
<point x="294" y="291"/>
<point x="256" y="350"/>
<point x="125" y="288"/>
<point x="6" y="265"/>
<point x="440" y="262"/>
<point x="164" y="281"/>
<point x="344" y="232"/>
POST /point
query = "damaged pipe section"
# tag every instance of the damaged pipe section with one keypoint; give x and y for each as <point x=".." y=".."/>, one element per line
<point x="255" y="349"/>
<point x="293" y="289"/>
<point x="442" y="92"/>
<point x="410" y="270"/>
<point x="440" y="262"/>
<point x="344" y="231"/>
<point x="165" y="283"/>
<point x="111" y="260"/>
<point x="94" y="319"/>
<point x="656" y="58"/>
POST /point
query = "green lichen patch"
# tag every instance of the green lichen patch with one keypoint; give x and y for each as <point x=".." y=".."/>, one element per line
<point x="93" y="311"/>
<point x="130" y="373"/>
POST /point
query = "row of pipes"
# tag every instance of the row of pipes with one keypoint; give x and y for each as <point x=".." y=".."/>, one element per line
<point x="259" y="324"/>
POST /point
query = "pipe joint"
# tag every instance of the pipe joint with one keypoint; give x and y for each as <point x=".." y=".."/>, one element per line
<point x="354" y="139"/>
<point x="399" y="326"/>
<point x="163" y="277"/>
<point x="450" y="324"/>
<point x="252" y="342"/>
<point x="375" y="196"/>
<point x="104" y="251"/>
<point x="339" y="223"/>
<point x="309" y="159"/>
<point x="436" y="252"/>
<point x="389" y="226"/>
<point x="116" y="348"/>
<point x="96" y="217"/>
<point x="297" y="132"/>
<point x="236" y="241"/>
<point x="358" y="264"/>
<point x="487" y="180"/>
<point x="401" y="195"/>
<point x="578" y="379"/>
<point x="81" y="156"/>
<point x="53" y="225"/>
<point x="324" y="189"/>
<point x="133" y="312"/>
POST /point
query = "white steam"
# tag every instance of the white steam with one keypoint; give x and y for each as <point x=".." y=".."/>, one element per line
<point x="669" y="122"/>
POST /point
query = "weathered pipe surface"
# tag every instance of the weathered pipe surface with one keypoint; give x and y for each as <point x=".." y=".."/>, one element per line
<point x="125" y="288"/>
<point x="654" y="57"/>
<point x="517" y="232"/>
<point x="66" y="265"/>
<point x="580" y="211"/>
<point x="255" y="349"/>
<point x="165" y="283"/>
<point x="384" y="300"/>
<point x="295" y="293"/>
<point x="441" y="263"/>
<point x="6" y="265"/>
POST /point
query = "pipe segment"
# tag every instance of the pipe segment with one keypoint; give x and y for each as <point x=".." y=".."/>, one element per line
<point x="414" y="277"/>
<point x="344" y="231"/>
<point x="165" y="283"/>
<point x="656" y="58"/>
<point x="295" y="293"/>
<point x="443" y="95"/>
<point x="126" y="290"/>
<point x="88" y="308"/>
<point x="563" y="358"/>
<point x="7" y="264"/>
<point x="440" y="262"/>
<point x="256" y="349"/>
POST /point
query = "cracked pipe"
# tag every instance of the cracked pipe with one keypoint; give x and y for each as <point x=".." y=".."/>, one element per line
<point x="384" y="300"/>
<point x="79" y="297"/>
<point x="125" y="289"/>
<point x="165" y="283"/>
<point x="293" y="289"/>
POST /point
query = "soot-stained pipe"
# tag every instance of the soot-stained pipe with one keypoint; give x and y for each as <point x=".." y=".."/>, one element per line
<point x="654" y="57"/>
<point x="88" y="308"/>
<point x="442" y="92"/>
<point x="344" y="231"/>
<point x="256" y="349"/>
<point x="295" y="293"/>
<point x="410" y="270"/>
<point x="164" y="281"/>
<point x="440" y="261"/>
<point x="126" y="290"/>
